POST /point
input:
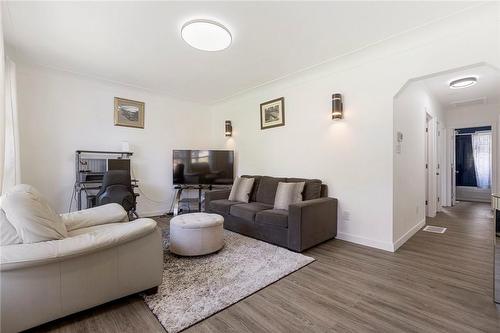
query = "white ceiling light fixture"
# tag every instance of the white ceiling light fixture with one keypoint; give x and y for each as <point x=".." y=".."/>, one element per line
<point x="463" y="83"/>
<point x="206" y="35"/>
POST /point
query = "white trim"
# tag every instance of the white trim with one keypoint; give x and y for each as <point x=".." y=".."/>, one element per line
<point x="440" y="167"/>
<point x="495" y="142"/>
<point x="413" y="230"/>
<point x="431" y="171"/>
<point x="448" y="167"/>
<point x="386" y="246"/>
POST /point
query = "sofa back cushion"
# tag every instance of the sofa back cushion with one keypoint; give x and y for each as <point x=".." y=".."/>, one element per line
<point x="266" y="192"/>
<point x="312" y="187"/>
<point x="256" y="182"/>
<point x="31" y="215"/>
<point x="324" y="190"/>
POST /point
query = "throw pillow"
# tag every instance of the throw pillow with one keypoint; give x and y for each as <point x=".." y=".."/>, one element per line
<point x="288" y="194"/>
<point x="241" y="189"/>
<point x="31" y="215"/>
<point x="8" y="234"/>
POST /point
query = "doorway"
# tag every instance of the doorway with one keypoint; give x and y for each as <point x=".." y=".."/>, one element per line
<point x="473" y="159"/>
<point x="429" y="112"/>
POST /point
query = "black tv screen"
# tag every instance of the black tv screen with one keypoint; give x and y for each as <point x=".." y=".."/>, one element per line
<point x="203" y="167"/>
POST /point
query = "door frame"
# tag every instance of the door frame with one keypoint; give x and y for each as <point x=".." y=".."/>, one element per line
<point x="451" y="190"/>
<point x="453" y="170"/>
<point x="440" y="149"/>
<point x="431" y="165"/>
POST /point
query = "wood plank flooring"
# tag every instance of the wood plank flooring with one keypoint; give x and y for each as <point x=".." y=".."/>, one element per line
<point x="433" y="283"/>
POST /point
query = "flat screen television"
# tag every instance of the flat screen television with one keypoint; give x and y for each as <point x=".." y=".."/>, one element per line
<point x="203" y="167"/>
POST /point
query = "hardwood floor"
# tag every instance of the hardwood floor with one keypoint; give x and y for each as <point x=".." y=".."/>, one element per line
<point x="433" y="283"/>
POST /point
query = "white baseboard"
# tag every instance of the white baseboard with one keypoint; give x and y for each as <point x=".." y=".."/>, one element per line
<point x="474" y="200"/>
<point x="386" y="246"/>
<point x="397" y="244"/>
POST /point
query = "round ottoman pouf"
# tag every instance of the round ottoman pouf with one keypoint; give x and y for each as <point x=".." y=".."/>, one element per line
<point x="196" y="234"/>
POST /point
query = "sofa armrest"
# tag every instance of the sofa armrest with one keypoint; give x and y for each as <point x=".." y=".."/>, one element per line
<point x="20" y="256"/>
<point x="311" y="222"/>
<point x="110" y="213"/>
<point x="215" y="195"/>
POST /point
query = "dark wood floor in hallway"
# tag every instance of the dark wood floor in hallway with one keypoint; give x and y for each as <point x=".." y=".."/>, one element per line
<point x="433" y="283"/>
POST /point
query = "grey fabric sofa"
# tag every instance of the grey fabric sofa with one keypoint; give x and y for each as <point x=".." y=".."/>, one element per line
<point x="304" y="225"/>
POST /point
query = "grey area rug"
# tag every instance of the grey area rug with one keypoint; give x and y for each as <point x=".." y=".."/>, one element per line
<point x="195" y="288"/>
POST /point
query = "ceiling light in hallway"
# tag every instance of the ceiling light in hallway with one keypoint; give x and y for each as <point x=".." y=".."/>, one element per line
<point x="206" y="35"/>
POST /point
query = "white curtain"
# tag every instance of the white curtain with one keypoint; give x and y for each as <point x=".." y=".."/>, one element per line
<point x="2" y="104"/>
<point x="481" y="149"/>
<point x="11" y="166"/>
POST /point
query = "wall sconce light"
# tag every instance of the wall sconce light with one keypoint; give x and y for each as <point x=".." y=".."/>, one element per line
<point x="228" y="128"/>
<point x="337" y="107"/>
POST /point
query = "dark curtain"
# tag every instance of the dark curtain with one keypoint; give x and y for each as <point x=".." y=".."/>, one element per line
<point x="466" y="172"/>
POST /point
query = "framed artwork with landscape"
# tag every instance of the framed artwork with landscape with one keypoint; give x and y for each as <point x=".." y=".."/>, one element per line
<point x="272" y="113"/>
<point x="129" y="113"/>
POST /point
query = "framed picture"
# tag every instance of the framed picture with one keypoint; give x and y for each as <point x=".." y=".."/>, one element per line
<point x="272" y="113"/>
<point x="129" y="113"/>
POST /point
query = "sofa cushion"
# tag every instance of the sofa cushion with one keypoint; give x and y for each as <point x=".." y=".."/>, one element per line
<point x="222" y="206"/>
<point x="31" y="215"/>
<point x="273" y="217"/>
<point x="312" y="188"/>
<point x="8" y="234"/>
<point x="267" y="189"/>
<point x="79" y="242"/>
<point x="256" y="182"/>
<point x="247" y="211"/>
<point x="324" y="191"/>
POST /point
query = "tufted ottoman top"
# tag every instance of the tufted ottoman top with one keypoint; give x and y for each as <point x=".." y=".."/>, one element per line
<point x="196" y="221"/>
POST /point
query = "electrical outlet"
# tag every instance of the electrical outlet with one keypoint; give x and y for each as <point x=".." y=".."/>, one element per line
<point x="398" y="148"/>
<point x="346" y="216"/>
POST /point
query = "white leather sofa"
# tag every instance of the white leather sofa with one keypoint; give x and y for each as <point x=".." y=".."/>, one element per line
<point x="101" y="257"/>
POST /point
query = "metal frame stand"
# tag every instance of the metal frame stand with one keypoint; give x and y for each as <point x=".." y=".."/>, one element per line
<point x="85" y="186"/>
<point x="179" y="200"/>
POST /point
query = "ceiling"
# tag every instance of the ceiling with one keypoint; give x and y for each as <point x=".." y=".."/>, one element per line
<point x="139" y="44"/>
<point x="485" y="91"/>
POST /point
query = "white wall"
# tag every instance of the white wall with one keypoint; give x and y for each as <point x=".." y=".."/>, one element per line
<point x="61" y="112"/>
<point x="472" y="116"/>
<point x="411" y="106"/>
<point x="353" y="156"/>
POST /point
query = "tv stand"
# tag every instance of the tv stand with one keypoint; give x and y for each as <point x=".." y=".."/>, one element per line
<point x="179" y="200"/>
